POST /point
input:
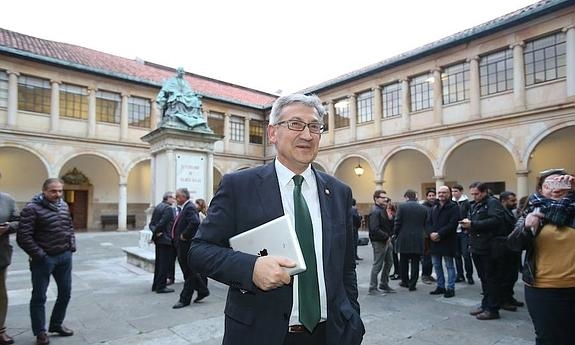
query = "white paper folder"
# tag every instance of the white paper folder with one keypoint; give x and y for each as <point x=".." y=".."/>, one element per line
<point x="276" y="237"/>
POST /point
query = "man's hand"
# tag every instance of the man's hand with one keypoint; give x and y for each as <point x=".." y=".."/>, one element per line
<point x="269" y="272"/>
<point x="465" y="223"/>
<point x="4" y="228"/>
<point x="434" y="236"/>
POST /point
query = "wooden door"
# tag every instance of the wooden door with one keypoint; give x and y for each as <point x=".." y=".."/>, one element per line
<point x="78" y="202"/>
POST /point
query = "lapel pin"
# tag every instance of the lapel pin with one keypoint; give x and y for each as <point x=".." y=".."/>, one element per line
<point x="327" y="191"/>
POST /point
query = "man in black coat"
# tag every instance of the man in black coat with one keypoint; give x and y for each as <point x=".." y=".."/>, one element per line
<point x="184" y="229"/>
<point x="161" y="227"/>
<point x="462" y="255"/>
<point x="410" y="232"/>
<point x="484" y="222"/>
<point x="441" y="227"/>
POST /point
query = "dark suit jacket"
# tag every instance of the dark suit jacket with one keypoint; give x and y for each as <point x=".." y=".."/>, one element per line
<point x="251" y="197"/>
<point x="161" y="223"/>
<point x="187" y="222"/>
<point x="410" y="227"/>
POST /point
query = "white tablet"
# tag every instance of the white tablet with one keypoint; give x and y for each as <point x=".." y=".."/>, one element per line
<point x="276" y="237"/>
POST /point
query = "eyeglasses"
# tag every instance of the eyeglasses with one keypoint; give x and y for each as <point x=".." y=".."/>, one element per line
<point x="298" y="126"/>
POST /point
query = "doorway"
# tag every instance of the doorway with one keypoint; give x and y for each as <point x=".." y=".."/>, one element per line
<point x="77" y="200"/>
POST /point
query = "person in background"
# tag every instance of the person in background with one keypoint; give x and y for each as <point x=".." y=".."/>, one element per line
<point x="485" y="223"/>
<point x="184" y="229"/>
<point x="380" y="232"/>
<point x="202" y="208"/>
<point x="462" y="255"/>
<point x="9" y="217"/>
<point x="161" y="226"/>
<point x="510" y="260"/>
<point x="356" y="225"/>
<point x="441" y="227"/>
<point x="410" y="231"/>
<point x="46" y="234"/>
<point x="392" y="211"/>
<point x="264" y="304"/>
<point x="426" y="263"/>
<point x="546" y="229"/>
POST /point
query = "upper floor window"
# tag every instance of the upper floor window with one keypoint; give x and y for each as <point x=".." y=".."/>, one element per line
<point x="237" y="129"/>
<point x="365" y="107"/>
<point x="73" y="101"/>
<point x="139" y="112"/>
<point x="545" y="59"/>
<point x="455" y="81"/>
<point x="3" y="89"/>
<point x="256" y="132"/>
<point x="421" y="90"/>
<point x="391" y="99"/>
<point x="496" y="72"/>
<point x="34" y="94"/>
<point x="325" y="119"/>
<point x="341" y="113"/>
<point x="108" y="107"/>
<point x="216" y="122"/>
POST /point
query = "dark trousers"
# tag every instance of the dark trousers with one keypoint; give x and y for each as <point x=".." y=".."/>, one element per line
<point x="426" y="265"/>
<point x="510" y="265"/>
<point x="490" y="275"/>
<point x="192" y="280"/>
<point x="60" y="267"/>
<point x="165" y="260"/>
<point x="463" y="256"/>
<point x="553" y="313"/>
<point x="404" y="261"/>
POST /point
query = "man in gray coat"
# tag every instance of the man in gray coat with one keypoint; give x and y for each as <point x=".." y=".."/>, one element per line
<point x="410" y="232"/>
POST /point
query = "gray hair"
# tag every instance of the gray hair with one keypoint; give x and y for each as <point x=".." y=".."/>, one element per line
<point x="184" y="192"/>
<point x="311" y="101"/>
<point x="167" y="195"/>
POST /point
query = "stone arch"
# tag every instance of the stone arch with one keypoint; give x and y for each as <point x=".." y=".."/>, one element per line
<point x="398" y="149"/>
<point x="113" y="163"/>
<point x="35" y="152"/>
<point x="506" y="144"/>
<point x="351" y="156"/>
<point x="538" y="138"/>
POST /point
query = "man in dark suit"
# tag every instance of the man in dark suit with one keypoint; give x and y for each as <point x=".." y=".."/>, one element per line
<point x="184" y="229"/>
<point x="161" y="227"/>
<point x="263" y="301"/>
<point x="410" y="232"/>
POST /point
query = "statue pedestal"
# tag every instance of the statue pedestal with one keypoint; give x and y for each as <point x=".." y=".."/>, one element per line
<point x="144" y="255"/>
<point x="180" y="158"/>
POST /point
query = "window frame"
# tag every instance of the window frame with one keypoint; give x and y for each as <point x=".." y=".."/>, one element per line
<point x="391" y="99"/>
<point x="421" y="92"/>
<point x="364" y="102"/>
<point x="34" y="94"/>
<point x="496" y="72"/>
<point x="456" y="82"/>
<point x="552" y="56"/>
<point x="139" y="112"/>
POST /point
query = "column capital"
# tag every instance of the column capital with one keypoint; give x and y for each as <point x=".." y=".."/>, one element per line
<point x="12" y="72"/>
<point x="522" y="172"/>
<point x="473" y="58"/>
<point x="436" y="70"/>
<point x="517" y="44"/>
<point x="376" y="87"/>
<point x="126" y="95"/>
<point x="55" y="81"/>
<point x="92" y="90"/>
<point x="569" y="27"/>
<point x="353" y="95"/>
<point x="438" y="177"/>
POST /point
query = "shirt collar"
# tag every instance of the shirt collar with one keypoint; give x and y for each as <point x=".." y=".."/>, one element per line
<point x="285" y="175"/>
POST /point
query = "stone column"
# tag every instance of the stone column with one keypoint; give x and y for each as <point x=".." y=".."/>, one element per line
<point x="154" y="115"/>
<point x="55" y="106"/>
<point x="226" y="132"/>
<point x="474" y="89"/>
<point x="353" y="116"/>
<point x="437" y="97"/>
<point x="210" y="178"/>
<point x="246" y="135"/>
<point x="570" y="59"/>
<point x="12" y="98"/>
<point x="518" y="76"/>
<point x="522" y="183"/>
<point x="124" y="118"/>
<point x="405" y="101"/>
<point x="123" y="204"/>
<point x="171" y="155"/>
<point x="377" y="111"/>
<point x="439" y="181"/>
<point x="378" y="182"/>
<point x="92" y="112"/>
<point x="331" y="123"/>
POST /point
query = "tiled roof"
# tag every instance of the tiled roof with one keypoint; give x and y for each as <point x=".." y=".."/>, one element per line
<point x="514" y="18"/>
<point x="92" y="61"/>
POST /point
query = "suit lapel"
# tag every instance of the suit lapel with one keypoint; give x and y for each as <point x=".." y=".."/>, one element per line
<point x="267" y="190"/>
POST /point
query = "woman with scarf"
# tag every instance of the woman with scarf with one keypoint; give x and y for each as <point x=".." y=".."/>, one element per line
<point x="546" y="230"/>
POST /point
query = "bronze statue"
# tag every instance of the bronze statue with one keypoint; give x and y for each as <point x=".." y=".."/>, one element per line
<point x="178" y="102"/>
